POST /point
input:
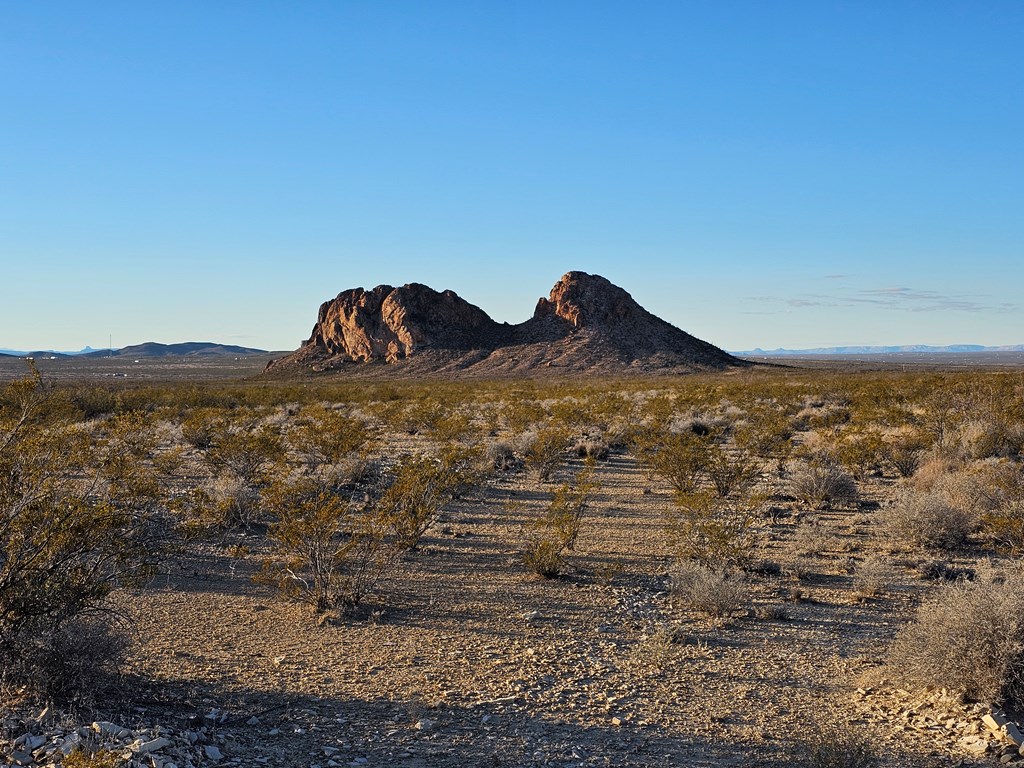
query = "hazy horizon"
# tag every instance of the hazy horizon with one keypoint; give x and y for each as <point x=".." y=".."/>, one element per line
<point x="792" y="175"/>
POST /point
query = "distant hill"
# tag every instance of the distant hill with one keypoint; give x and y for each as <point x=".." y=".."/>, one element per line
<point x="586" y="325"/>
<point x="914" y="349"/>
<point x="184" y="349"/>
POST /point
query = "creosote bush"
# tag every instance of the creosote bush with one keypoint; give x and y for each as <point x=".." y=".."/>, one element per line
<point x="421" y="487"/>
<point x="77" y="519"/>
<point x="329" y="553"/>
<point x="712" y="531"/>
<point x="968" y="637"/>
<point x="548" y="537"/>
<point x="544" y="449"/>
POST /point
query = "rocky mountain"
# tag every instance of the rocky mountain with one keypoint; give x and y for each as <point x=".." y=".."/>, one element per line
<point x="585" y="324"/>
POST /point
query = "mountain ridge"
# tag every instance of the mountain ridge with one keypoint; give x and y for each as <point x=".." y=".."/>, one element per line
<point x="146" y="349"/>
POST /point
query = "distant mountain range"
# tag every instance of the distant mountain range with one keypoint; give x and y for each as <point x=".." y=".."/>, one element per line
<point x="911" y="349"/>
<point x="147" y="349"/>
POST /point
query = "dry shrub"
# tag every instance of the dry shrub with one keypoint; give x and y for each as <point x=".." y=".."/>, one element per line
<point x="731" y="471"/>
<point x="813" y="540"/>
<point x="78" y="663"/>
<point x="872" y="577"/>
<point x="904" y="452"/>
<point x="77" y="519"/>
<point x="327" y="436"/>
<point x="713" y="593"/>
<point x="933" y="467"/>
<point x="835" y="745"/>
<point x="994" y="437"/>
<point x="968" y="637"/>
<point x="501" y="456"/>
<point x="591" y="447"/>
<point x="544" y="554"/>
<point x="421" y="487"/>
<point x="679" y="458"/>
<point x="822" y="483"/>
<point x="928" y="520"/>
<point x="233" y="503"/>
<point x="1004" y="527"/>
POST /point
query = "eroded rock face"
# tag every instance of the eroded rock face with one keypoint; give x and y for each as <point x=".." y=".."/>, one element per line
<point x="588" y="300"/>
<point x="389" y="323"/>
<point x="586" y="324"/>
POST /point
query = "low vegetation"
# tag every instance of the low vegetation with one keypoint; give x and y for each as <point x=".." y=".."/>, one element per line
<point x="895" y="501"/>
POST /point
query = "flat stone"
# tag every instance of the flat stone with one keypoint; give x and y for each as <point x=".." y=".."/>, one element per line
<point x="152" y="746"/>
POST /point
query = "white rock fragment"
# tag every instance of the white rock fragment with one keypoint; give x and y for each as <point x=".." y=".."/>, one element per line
<point x="152" y="745"/>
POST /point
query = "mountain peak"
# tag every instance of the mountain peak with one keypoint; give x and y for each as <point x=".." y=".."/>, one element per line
<point x="587" y="300"/>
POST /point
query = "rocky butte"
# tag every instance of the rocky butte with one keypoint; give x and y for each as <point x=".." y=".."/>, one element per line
<point x="585" y="325"/>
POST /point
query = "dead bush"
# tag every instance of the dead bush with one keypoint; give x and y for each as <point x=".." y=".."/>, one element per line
<point x="501" y="456"/>
<point x="822" y="483"/>
<point x="928" y="520"/>
<point x="714" y="593"/>
<point x="969" y="637"/>
<point x="872" y="577"/>
<point x="835" y="745"/>
<point x="233" y="503"/>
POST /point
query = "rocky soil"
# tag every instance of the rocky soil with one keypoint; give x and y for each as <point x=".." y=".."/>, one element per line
<point x="462" y="657"/>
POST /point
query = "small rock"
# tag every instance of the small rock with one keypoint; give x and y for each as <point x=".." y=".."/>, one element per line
<point x="212" y="752"/>
<point x="424" y="725"/>
<point x="616" y="721"/>
<point x="21" y="758"/>
<point x="253" y="721"/>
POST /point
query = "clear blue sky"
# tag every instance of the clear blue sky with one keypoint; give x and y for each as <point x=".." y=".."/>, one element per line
<point x="758" y="173"/>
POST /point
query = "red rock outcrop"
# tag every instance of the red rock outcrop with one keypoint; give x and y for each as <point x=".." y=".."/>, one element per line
<point x="586" y="324"/>
<point x="389" y="324"/>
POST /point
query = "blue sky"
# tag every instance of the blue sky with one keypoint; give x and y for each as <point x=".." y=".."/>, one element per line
<point x="760" y="174"/>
